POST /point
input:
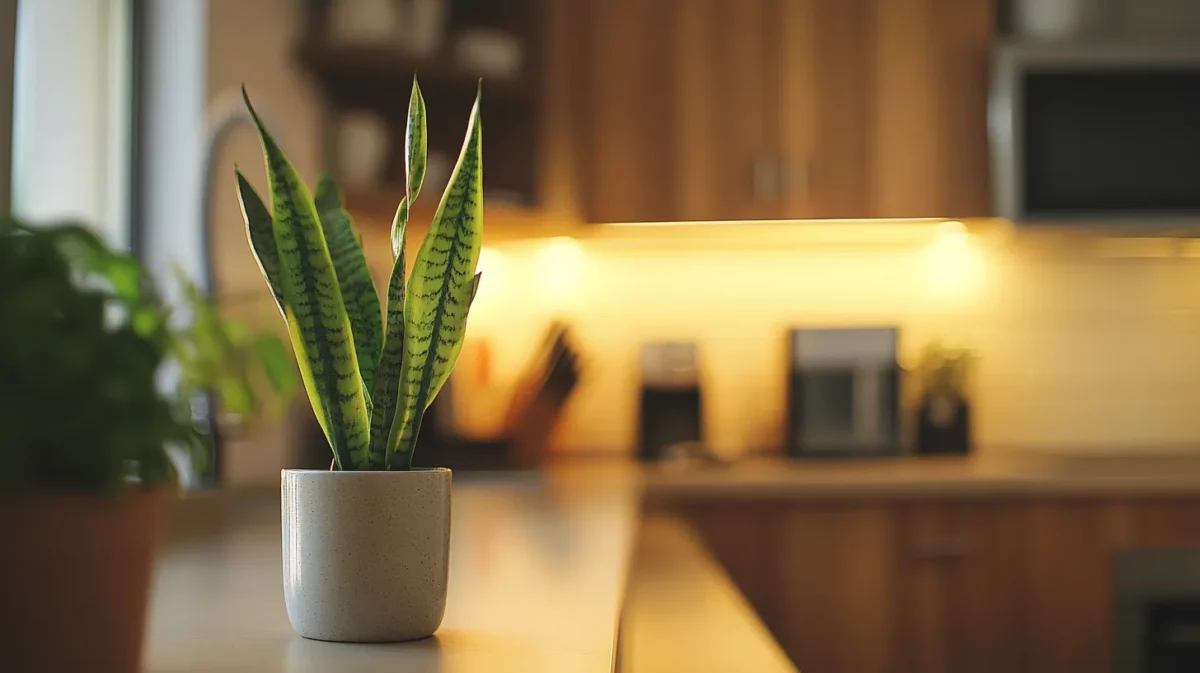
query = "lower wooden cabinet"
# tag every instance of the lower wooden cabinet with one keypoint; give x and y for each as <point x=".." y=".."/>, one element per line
<point x="958" y="593"/>
<point x="1015" y="586"/>
<point x="1067" y="585"/>
<point x="831" y="606"/>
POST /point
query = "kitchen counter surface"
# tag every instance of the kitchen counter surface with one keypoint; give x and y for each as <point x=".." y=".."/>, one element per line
<point x="538" y="570"/>
<point x="684" y="615"/>
<point x="551" y="572"/>
<point x="541" y="565"/>
<point x="1016" y="474"/>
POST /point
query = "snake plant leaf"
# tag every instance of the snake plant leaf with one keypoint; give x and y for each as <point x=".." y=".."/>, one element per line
<point x="458" y="346"/>
<point x="451" y="358"/>
<point x="316" y="313"/>
<point x="327" y="196"/>
<point x="399" y="226"/>
<point x="261" y="232"/>
<point x="354" y="277"/>
<point x="358" y="291"/>
<point x="386" y="391"/>
<point x="439" y="292"/>
<point x="416" y="145"/>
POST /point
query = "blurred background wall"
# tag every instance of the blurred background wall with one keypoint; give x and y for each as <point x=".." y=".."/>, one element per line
<point x="1086" y="341"/>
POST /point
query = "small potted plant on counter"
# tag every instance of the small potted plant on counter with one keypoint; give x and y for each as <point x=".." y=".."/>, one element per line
<point x="366" y="543"/>
<point x="944" y="418"/>
<point x="85" y="467"/>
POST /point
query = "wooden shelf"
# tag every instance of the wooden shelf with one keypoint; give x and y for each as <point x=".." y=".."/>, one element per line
<point x="376" y="77"/>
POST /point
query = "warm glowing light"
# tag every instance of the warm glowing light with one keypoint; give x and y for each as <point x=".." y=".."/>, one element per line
<point x="750" y="235"/>
<point x="561" y="271"/>
<point x="778" y="223"/>
<point x="951" y="228"/>
<point x="493" y="264"/>
<point x="953" y="262"/>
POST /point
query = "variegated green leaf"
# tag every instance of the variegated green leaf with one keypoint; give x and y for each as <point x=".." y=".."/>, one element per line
<point x="260" y="230"/>
<point x="358" y="291"/>
<point x="354" y="277"/>
<point x="398" y="229"/>
<point x="388" y="379"/>
<point x="316" y="313"/>
<point x="415" y="149"/>
<point x="327" y="197"/>
<point x="416" y="144"/>
<point x="386" y="390"/>
<point x="458" y="346"/>
<point x="439" y="292"/>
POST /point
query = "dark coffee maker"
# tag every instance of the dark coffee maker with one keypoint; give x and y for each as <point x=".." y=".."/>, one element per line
<point x="671" y="403"/>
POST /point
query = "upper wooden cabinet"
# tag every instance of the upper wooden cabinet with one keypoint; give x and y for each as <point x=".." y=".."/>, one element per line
<point x="747" y="109"/>
<point x="673" y="114"/>
<point x="928" y="152"/>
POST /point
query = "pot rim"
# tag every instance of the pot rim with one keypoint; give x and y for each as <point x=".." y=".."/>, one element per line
<point x="419" y="470"/>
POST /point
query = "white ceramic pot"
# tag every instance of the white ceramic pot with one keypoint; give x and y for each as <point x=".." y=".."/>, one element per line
<point x="366" y="554"/>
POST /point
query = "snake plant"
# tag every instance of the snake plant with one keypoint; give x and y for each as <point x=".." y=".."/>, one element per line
<point x="370" y="369"/>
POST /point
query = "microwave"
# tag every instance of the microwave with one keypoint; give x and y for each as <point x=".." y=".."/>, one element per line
<point x="843" y="394"/>
<point x="1095" y="133"/>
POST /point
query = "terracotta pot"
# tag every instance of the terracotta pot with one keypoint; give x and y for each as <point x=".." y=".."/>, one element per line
<point x="74" y="579"/>
<point x="366" y="554"/>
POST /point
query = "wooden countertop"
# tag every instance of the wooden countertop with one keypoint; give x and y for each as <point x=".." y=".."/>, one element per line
<point x="540" y="565"/>
<point x="1017" y="474"/>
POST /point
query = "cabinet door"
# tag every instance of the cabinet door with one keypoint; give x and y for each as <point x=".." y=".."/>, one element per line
<point x="831" y="567"/>
<point x="958" y="600"/>
<point x="1158" y="523"/>
<point x="823" y="77"/>
<point x="1068" y="586"/>
<point x="672" y="121"/>
<point x="882" y="107"/>
<point x="929" y="130"/>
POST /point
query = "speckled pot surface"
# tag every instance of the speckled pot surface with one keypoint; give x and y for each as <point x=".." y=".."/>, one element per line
<point x="366" y="554"/>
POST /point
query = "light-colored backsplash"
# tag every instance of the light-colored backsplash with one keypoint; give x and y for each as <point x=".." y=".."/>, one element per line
<point x="1084" y="342"/>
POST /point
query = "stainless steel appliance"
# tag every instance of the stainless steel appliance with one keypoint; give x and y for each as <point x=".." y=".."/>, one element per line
<point x="1096" y="132"/>
<point x="843" y="392"/>
<point x="1156" y="615"/>
<point x="671" y="405"/>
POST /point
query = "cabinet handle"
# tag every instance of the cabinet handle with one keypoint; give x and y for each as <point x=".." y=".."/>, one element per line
<point x="794" y="179"/>
<point x="940" y="549"/>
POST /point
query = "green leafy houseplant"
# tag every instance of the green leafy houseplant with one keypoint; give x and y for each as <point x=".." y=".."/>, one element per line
<point x="87" y="416"/>
<point x="944" y="371"/>
<point x="944" y="414"/>
<point x="85" y="339"/>
<point x="81" y="410"/>
<point x="370" y="373"/>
